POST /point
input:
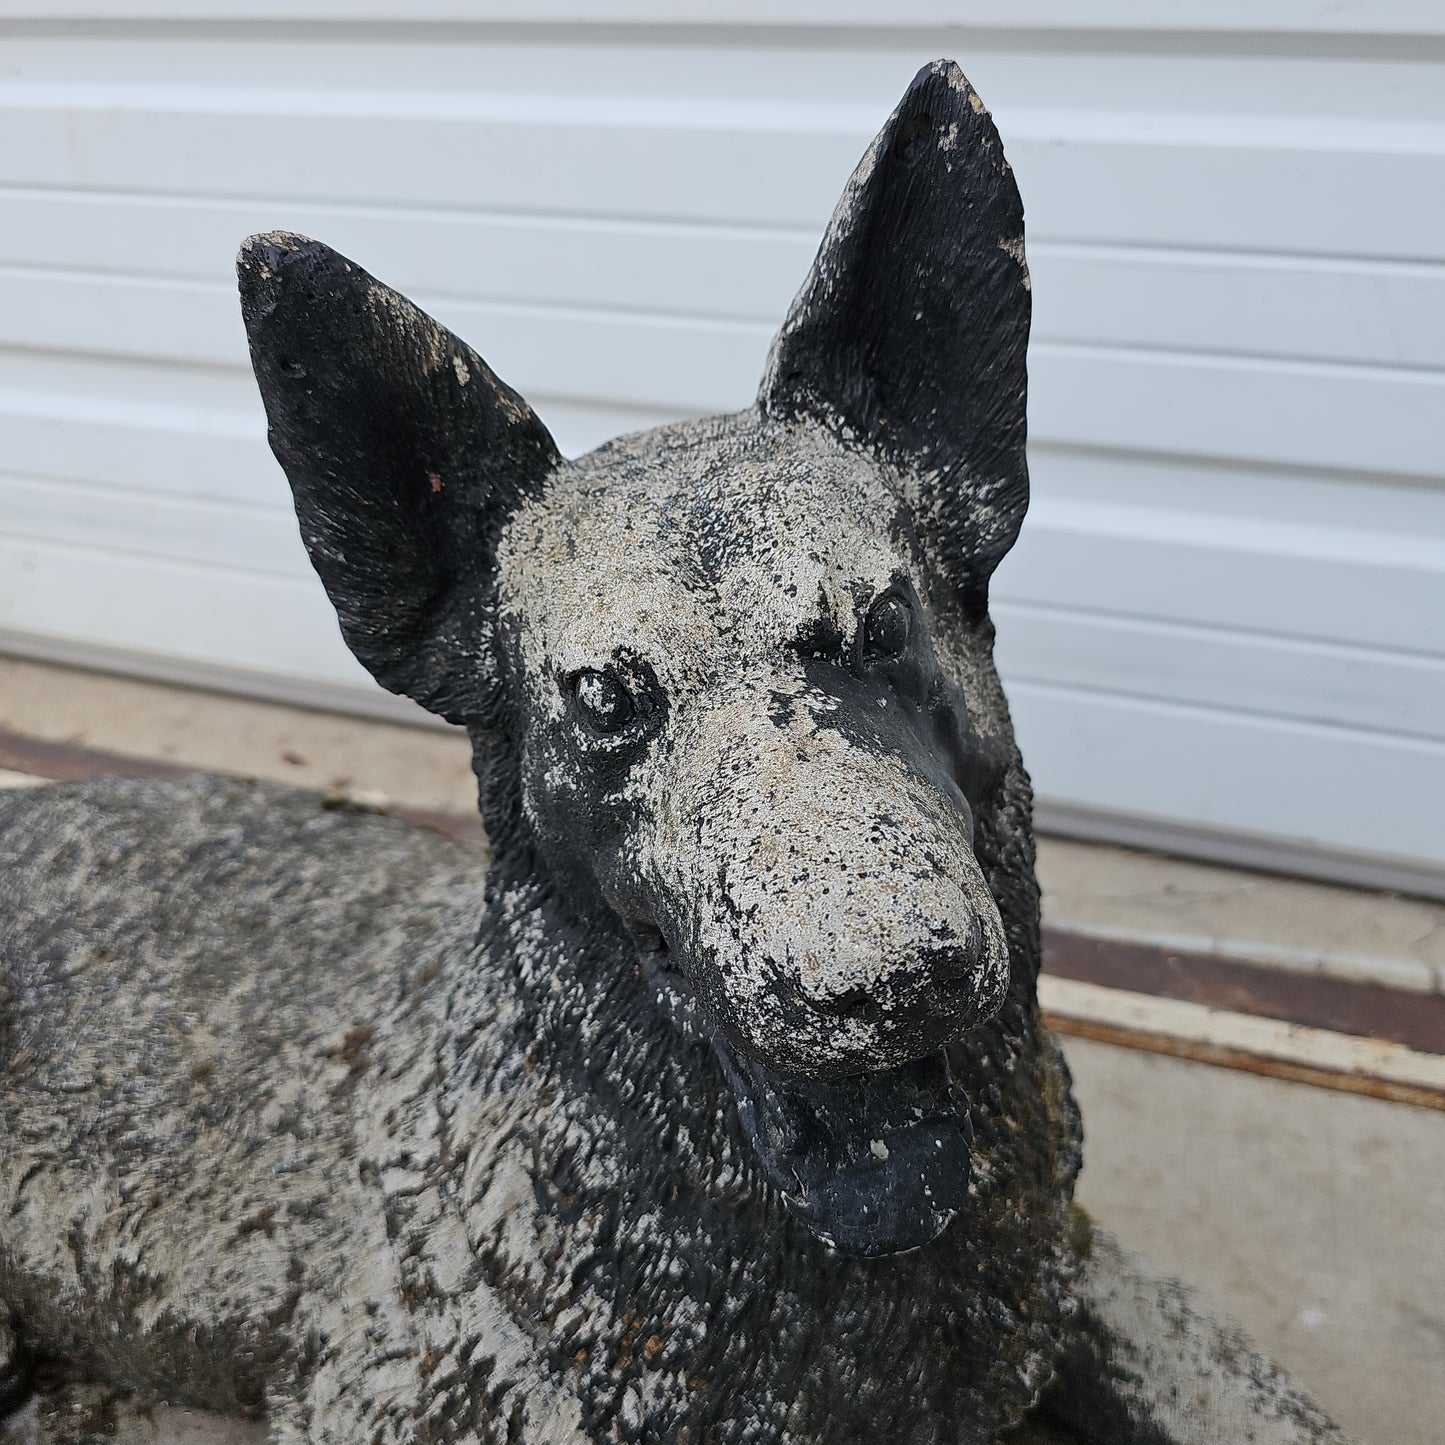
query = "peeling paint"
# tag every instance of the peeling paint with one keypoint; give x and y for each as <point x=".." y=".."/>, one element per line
<point x="720" y="1110"/>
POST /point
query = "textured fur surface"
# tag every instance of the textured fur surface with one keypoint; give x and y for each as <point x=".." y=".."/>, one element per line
<point x="280" y="1134"/>
<point x="719" y="1109"/>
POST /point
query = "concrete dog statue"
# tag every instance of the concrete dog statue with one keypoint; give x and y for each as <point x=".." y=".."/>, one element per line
<point x="734" y="1119"/>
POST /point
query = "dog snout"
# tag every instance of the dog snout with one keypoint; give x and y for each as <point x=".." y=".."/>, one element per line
<point x="848" y="927"/>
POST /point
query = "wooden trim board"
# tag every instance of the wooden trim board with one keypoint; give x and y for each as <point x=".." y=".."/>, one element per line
<point x="1294" y="1052"/>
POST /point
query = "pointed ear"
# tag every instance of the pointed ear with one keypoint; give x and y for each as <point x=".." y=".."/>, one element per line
<point x="405" y="454"/>
<point x="908" y="337"/>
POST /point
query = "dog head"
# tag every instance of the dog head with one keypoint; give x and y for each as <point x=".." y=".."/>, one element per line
<point x="735" y="672"/>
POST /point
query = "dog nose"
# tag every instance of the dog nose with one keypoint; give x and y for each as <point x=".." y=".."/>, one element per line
<point x="953" y="981"/>
<point x="939" y="980"/>
<point x="950" y="964"/>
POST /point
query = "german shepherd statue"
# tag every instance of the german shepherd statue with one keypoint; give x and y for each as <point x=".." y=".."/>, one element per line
<point x="718" y="1110"/>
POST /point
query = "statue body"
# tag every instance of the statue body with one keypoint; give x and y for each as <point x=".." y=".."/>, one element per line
<point x="717" y="1110"/>
<point x="315" y="1145"/>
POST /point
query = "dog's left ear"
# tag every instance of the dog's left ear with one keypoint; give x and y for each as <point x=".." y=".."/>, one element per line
<point x="908" y="337"/>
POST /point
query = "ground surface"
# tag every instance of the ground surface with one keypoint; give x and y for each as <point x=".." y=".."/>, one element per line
<point x="1313" y="1217"/>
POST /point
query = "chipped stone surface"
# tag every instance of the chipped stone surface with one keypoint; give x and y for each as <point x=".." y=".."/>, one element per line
<point x="1152" y="1360"/>
<point x="719" y="1112"/>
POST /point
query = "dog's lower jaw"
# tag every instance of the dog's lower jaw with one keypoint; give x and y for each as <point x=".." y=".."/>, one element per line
<point x="876" y="1164"/>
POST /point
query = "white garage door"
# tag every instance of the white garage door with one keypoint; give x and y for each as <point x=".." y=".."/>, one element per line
<point x="1225" y="627"/>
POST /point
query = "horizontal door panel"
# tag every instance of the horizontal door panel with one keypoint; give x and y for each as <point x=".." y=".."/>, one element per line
<point x="1297" y="307"/>
<point x="1283" y="677"/>
<point x="743" y="66"/>
<point x="642" y="163"/>
<point x="1268" y="183"/>
<point x="175" y="610"/>
<point x="147" y="524"/>
<point x="1291" y="413"/>
<point x="1325" y="497"/>
<point x="84" y="436"/>
<point x="1297" y="413"/>
<point x="1330" y="788"/>
<point x="1349" y="17"/>
<point x="712" y="269"/>
<point x="1312" y="308"/>
<point x="1371" y="589"/>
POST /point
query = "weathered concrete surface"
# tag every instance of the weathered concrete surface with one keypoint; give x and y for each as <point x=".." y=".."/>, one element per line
<point x="420" y="767"/>
<point x="1287" y="923"/>
<point x="1312" y="1217"/>
<point x="1156" y="1361"/>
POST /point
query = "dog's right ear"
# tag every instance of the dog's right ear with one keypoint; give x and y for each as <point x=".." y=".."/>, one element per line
<point x="405" y="454"/>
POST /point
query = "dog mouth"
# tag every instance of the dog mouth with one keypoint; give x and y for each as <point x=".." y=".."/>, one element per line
<point x="874" y="1164"/>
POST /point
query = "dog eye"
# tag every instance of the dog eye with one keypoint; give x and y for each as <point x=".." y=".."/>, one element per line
<point x="603" y="701"/>
<point x="886" y="628"/>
